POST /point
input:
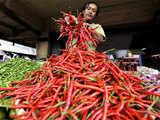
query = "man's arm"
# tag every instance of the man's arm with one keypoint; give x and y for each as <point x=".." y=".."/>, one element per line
<point x="100" y="37"/>
<point x="100" y="32"/>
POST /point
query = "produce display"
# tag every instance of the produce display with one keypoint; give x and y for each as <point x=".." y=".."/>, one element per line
<point x="149" y="75"/>
<point x="15" y="70"/>
<point x="81" y="84"/>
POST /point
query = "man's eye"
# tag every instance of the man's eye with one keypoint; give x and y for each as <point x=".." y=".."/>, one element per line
<point x="88" y="8"/>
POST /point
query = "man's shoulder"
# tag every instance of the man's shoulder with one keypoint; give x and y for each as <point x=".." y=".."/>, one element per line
<point x="94" y="25"/>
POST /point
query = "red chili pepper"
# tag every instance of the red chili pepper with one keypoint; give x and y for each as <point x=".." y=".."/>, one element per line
<point x="88" y="86"/>
<point x="105" y="104"/>
<point x="68" y="102"/>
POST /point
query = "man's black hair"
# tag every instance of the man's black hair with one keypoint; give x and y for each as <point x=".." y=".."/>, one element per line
<point x="87" y="4"/>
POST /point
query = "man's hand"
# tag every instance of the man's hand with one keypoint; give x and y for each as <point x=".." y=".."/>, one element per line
<point x="99" y="37"/>
<point x="68" y="19"/>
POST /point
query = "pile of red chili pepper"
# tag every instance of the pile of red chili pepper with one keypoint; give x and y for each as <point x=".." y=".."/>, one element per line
<point x="82" y="85"/>
<point x="79" y="30"/>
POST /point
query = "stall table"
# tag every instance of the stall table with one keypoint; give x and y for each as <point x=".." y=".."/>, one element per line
<point x="128" y="63"/>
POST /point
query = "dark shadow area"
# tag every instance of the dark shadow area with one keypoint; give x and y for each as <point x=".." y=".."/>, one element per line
<point x="148" y="40"/>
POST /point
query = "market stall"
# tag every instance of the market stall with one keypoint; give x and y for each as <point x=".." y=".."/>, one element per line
<point x="119" y="80"/>
<point x="82" y="84"/>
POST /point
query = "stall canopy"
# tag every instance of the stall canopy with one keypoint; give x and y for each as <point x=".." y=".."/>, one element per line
<point x="16" y="48"/>
<point x="25" y="21"/>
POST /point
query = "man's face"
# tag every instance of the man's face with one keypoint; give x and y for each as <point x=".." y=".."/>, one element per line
<point x="90" y="11"/>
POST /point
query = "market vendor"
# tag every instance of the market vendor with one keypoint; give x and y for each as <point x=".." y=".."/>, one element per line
<point x="89" y="11"/>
